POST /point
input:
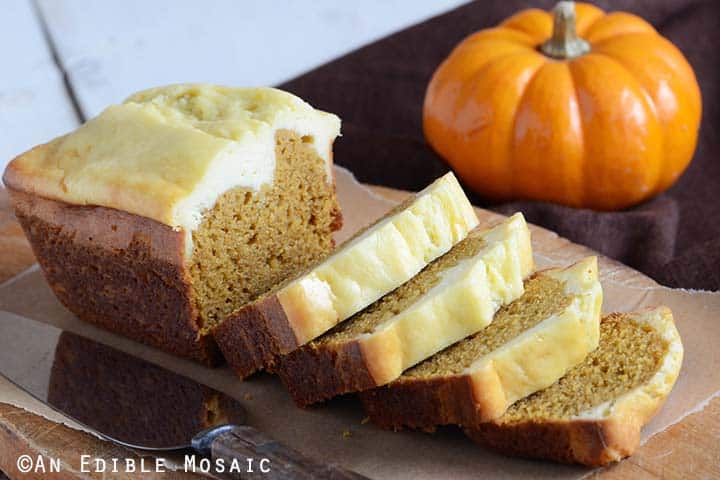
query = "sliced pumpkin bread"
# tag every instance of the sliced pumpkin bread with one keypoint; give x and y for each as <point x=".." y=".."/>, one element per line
<point x="455" y="296"/>
<point x="374" y="262"/>
<point x="594" y="414"/>
<point x="530" y="344"/>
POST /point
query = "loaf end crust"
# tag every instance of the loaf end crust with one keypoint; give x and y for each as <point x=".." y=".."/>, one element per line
<point x="252" y="338"/>
<point x="318" y="372"/>
<point x="589" y="442"/>
<point x="117" y="270"/>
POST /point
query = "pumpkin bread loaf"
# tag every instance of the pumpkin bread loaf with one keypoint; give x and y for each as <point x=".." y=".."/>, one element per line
<point x="374" y="262"/>
<point x="594" y="414"/>
<point x="455" y="296"/>
<point x="529" y="345"/>
<point x="164" y="214"/>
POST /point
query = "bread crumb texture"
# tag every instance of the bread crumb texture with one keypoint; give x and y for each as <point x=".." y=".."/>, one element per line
<point x="629" y="354"/>
<point x="402" y="297"/>
<point x="249" y="241"/>
<point x="543" y="297"/>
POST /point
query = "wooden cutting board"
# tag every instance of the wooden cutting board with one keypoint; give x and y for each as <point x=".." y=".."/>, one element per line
<point x="689" y="449"/>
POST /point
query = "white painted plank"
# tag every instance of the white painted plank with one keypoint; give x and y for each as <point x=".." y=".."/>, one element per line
<point x="111" y="49"/>
<point x="34" y="106"/>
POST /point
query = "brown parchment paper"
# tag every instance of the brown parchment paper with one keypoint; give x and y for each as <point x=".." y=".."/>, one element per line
<point x="319" y="431"/>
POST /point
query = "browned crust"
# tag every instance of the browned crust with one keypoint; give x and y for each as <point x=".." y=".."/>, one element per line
<point x="422" y="403"/>
<point x="588" y="442"/>
<point x="252" y="338"/>
<point x="120" y="271"/>
<point x="24" y="433"/>
<point x="318" y="372"/>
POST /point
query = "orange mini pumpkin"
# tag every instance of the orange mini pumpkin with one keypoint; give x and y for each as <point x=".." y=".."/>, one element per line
<point x="603" y="118"/>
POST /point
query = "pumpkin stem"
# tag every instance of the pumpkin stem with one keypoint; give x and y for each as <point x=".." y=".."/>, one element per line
<point x="564" y="43"/>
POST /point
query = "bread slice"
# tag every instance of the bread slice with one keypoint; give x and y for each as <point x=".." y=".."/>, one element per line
<point x="374" y="262"/>
<point x="529" y="345"/>
<point x="455" y="296"/>
<point x="594" y="414"/>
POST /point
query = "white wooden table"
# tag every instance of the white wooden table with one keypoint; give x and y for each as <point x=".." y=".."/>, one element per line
<point x="63" y="61"/>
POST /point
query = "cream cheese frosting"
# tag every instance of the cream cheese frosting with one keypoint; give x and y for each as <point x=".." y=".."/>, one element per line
<point x="168" y="153"/>
<point x="379" y="259"/>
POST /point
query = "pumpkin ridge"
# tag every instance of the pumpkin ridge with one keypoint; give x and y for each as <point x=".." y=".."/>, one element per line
<point x="665" y="163"/>
<point x="621" y="36"/>
<point x="531" y="41"/>
<point x="639" y="24"/>
<point x="521" y="50"/>
<point x="583" y="29"/>
<point x="516" y="22"/>
<point x="665" y="45"/>
<point x="583" y="134"/>
<point x="641" y="87"/>
<point x="582" y="196"/>
<point x="651" y="111"/>
<point x="483" y="70"/>
<point x="653" y="108"/>
<point x="495" y="34"/>
<point x="502" y="41"/>
<point x="512" y="147"/>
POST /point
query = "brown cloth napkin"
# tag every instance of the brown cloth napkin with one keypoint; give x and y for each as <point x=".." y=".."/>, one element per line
<point x="378" y="91"/>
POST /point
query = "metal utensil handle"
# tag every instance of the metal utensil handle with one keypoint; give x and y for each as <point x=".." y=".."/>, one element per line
<point x="262" y="457"/>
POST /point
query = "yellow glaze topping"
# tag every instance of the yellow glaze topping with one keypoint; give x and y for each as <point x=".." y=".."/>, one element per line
<point x="461" y="304"/>
<point x="379" y="260"/>
<point x="544" y="353"/>
<point x="168" y="153"/>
